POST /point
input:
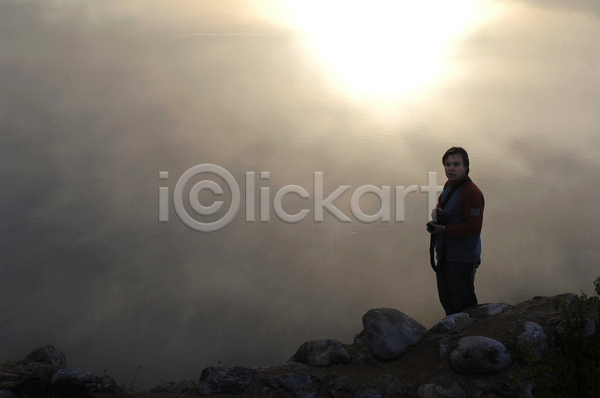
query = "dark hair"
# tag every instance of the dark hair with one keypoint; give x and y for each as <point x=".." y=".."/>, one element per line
<point x="456" y="150"/>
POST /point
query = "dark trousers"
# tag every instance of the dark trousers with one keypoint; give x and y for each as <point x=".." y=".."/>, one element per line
<point x="456" y="286"/>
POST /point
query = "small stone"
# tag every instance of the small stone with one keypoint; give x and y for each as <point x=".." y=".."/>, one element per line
<point x="534" y="335"/>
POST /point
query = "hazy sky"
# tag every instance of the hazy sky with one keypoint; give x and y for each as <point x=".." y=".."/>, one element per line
<point x="98" y="97"/>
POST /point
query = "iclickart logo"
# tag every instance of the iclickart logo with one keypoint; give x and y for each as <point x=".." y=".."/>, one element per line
<point x="319" y="202"/>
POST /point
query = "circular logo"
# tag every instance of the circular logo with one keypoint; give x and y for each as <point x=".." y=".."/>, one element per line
<point x="215" y="189"/>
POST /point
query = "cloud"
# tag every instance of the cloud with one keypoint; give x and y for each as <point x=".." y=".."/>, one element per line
<point x="97" y="99"/>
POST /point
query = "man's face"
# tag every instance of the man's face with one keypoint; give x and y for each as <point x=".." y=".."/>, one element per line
<point x="454" y="168"/>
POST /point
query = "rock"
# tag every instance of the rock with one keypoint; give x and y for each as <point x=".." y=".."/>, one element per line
<point x="486" y="310"/>
<point x="588" y="330"/>
<point x="73" y="382"/>
<point x="477" y="354"/>
<point x="369" y="392"/>
<point x="26" y="378"/>
<point x="225" y="380"/>
<point x="534" y="334"/>
<point x="389" y="332"/>
<point x="106" y="383"/>
<point x="452" y="323"/>
<point x="301" y="385"/>
<point x="74" y="376"/>
<point x="322" y="353"/>
<point x="431" y="390"/>
<point x="7" y="394"/>
<point x="444" y="347"/>
<point x="48" y="355"/>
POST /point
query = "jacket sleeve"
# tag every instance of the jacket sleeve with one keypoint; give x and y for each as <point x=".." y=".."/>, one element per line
<point x="472" y="203"/>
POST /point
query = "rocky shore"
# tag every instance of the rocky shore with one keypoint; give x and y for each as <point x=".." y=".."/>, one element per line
<point x="477" y="353"/>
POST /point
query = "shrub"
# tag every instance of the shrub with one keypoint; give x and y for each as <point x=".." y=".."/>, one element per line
<point x="573" y="369"/>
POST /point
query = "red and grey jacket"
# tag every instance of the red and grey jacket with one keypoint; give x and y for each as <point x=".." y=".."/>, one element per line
<point x="464" y="216"/>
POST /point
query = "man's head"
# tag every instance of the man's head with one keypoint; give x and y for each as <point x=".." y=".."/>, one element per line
<point x="456" y="164"/>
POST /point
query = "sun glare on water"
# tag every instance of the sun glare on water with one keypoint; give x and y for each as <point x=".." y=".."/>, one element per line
<point x="382" y="48"/>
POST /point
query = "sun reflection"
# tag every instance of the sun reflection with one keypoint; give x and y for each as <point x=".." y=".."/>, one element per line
<point x="383" y="48"/>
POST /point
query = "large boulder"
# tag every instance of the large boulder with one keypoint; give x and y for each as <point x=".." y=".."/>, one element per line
<point x="389" y="332"/>
<point x="322" y="353"/>
<point x="48" y="355"/>
<point x="478" y="354"/>
<point x="225" y="380"/>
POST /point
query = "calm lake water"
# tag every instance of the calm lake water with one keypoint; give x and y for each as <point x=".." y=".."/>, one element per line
<point x="97" y="99"/>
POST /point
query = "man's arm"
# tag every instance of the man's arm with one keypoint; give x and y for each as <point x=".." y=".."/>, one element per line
<point x="472" y="203"/>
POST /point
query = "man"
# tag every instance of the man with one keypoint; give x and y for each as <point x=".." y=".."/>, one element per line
<point x="458" y="242"/>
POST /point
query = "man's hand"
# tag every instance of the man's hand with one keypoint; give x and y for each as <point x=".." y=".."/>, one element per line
<point x="438" y="229"/>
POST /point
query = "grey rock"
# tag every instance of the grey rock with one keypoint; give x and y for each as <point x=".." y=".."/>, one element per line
<point x="31" y="375"/>
<point x="444" y="347"/>
<point x="369" y="392"/>
<point x="452" y="323"/>
<point x="301" y="385"/>
<point x="534" y="334"/>
<point x="496" y="308"/>
<point x="431" y="390"/>
<point x="486" y="310"/>
<point x="225" y="380"/>
<point x="73" y="382"/>
<point x="48" y="355"/>
<point x="106" y="383"/>
<point x="477" y="354"/>
<point x="78" y="376"/>
<point x="588" y="330"/>
<point x="389" y="332"/>
<point x="322" y="353"/>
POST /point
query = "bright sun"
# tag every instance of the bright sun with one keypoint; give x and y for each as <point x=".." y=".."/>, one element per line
<point x="383" y="48"/>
